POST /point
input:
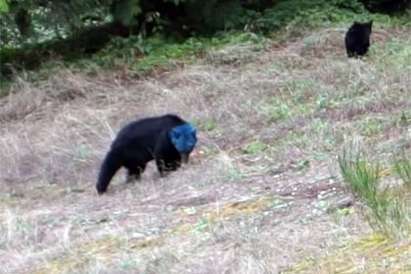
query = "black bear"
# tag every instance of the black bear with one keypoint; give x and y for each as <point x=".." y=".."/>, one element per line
<point x="167" y="139"/>
<point x="357" y="39"/>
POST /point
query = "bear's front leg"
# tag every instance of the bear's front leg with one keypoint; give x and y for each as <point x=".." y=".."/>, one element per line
<point x="161" y="167"/>
<point x="164" y="167"/>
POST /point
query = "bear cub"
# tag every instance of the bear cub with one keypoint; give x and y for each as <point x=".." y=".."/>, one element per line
<point x="167" y="139"/>
<point x="357" y="39"/>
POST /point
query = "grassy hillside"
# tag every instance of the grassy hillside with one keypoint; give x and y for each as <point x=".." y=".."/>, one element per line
<point x="263" y="192"/>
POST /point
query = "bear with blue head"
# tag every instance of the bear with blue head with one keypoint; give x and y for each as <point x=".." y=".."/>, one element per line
<point x="167" y="139"/>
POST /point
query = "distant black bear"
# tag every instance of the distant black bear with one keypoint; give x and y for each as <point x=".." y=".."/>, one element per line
<point x="167" y="139"/>
<point x="357" y="39"/>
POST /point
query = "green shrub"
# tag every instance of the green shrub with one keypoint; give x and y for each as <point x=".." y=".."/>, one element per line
<point x="309" y="13"/>
<point x="388" y="6"/>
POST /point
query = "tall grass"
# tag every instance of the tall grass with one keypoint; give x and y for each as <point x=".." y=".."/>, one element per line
<point x="402" y="167"/>
<point x="389" y="207"/>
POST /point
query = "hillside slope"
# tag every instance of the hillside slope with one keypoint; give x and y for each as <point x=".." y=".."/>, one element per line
<point x="262" y="193"/>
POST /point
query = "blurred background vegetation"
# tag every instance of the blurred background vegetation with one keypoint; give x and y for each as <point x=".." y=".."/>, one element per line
<point x="35" y="31"/>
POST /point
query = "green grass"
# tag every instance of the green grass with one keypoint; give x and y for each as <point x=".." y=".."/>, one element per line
<point x="276" y="110"/>
<point x="361" y="176"/>
<point x="255" y="147"/>
<point x="389" y="206"/>
<point x="208" y="125"/>
<point x="371" y="126"/>
<point x="395" y="54"/>
<point x="159" y="52"/>
<point x="139" y="56"/>
<point x="402" y="166"/>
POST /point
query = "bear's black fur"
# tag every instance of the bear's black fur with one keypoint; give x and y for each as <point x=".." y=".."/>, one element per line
<point x="140" y="142"/>
<point x="357" y="39"/>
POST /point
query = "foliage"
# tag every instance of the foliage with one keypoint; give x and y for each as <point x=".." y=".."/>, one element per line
<point x="308" y="13"/>
<point x="143" y="55"/>
<point x="38" y="20"/>
<point x="33" y="21"/>
<point x="137" y="55"/>
<point x="388" y="6"/>
<point x="46" y="20"/>
<point x="37" y="26"/>
<point x="4" y="7"/>
<point x="214" y="15"/>
<point x="125" y="11"/>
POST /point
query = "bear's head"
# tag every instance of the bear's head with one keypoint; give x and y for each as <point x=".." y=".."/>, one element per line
<point x="366" y="27"/>
<point x="184" y="139"/>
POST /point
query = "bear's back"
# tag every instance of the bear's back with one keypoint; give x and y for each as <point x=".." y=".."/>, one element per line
<point x="144" y="132"/>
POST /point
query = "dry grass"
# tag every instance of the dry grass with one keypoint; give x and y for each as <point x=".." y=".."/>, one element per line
<point x="261" y="193"/>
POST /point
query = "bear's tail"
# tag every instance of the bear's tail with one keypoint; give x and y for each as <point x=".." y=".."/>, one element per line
<point x="109" y="167"/>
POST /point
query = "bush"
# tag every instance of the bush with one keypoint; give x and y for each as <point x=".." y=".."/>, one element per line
<point x="186" y="17"/>
<point x="387" y="6"/>
<point x="308" y="13"/>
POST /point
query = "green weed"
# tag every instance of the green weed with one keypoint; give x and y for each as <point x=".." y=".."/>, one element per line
<point x="208" y="125"/>
<point x="371" y="127"/>
<point x="255" y="147"/>
<point x="276" y="110"/>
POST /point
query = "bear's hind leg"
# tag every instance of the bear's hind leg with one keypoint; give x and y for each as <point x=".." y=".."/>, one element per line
<point x="134" y="173"/>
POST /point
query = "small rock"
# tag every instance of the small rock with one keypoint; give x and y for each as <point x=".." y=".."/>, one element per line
<point x="102" y="220"/>
<point x="340" y="204"/>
